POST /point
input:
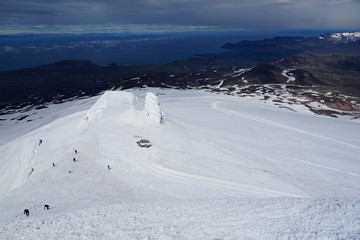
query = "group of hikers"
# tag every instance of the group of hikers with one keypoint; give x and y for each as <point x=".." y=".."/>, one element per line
<point x="74" y="160"/>
<point x="46" y="206"/>
<point x="27" y="212"/>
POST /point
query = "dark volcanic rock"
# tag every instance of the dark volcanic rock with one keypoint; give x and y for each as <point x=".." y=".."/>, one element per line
<point x="338" y="104"/>
<point x="264" y="74"/>
<point x="305" y="78"/>
<point x="52" y="82"/>
<point x="339" y="72"/>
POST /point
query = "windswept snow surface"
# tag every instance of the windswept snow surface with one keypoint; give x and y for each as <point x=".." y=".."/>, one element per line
<point x="220" y="167"/>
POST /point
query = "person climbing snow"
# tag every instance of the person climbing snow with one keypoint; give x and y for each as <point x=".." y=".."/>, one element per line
<point x="108" y="167"/>
<point x="46" y="207"/>
<point x="40" y="141"/>
<point x="75" y="151"/>
<point x="26" y="212"/>
<point x="54" y="165"/>
<point x="74" y="159"/>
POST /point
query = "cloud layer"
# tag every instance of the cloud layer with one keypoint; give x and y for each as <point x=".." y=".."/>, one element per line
<point x="244" y="14"/>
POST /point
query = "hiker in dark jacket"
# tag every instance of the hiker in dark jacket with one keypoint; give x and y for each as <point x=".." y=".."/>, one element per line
<point x="26" y="212"/>
<point x="46" y="207"/>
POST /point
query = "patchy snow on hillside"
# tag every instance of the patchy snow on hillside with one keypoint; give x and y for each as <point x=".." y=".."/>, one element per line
<point x="220" y="167"/>
<point x="290" y="76"/>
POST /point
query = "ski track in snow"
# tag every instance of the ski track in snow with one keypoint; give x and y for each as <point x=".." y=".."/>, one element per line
<point x="263" y="191"/>
<point x="262" y="120"/>
<point x="326" y="167"/>
<point x="221" y="184"/>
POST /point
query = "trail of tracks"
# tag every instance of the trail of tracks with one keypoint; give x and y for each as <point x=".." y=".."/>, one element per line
<point x="150" y="165"/>
<point x="276" y="124"/>
<point x="34" y="158"/>
<point x="220" y="184"/>
<point x="280" y="125"/>
<point x="326" y="167"/>
<point x="236" y="188"/>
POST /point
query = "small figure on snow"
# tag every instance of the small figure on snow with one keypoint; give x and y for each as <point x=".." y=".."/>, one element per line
<point x="46" y="207"/>
<point x="40" y="141"/>
<point x="54" y="165"/>
<point x="26" y="212"/>
<point x="74" y="159"/>
<point x="75" y="151"/>
<point x="108" y="167"/>
<point x="70" y="171"/>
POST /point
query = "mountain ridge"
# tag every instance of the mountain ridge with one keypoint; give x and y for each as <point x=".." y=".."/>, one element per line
<point x="266" y="60"/>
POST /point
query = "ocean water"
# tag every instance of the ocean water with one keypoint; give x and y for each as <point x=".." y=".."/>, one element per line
<point x="17" y="52"/>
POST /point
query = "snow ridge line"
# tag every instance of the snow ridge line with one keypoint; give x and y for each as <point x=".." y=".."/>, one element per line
<point x="234" y="113"/>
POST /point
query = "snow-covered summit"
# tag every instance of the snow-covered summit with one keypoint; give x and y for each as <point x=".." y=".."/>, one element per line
<point x="127" y="108"/>
<point x="340" y="37"/>
<point x="27" y="156"/>
<point x="114" y="101"/>
<point x="220" y="168"/>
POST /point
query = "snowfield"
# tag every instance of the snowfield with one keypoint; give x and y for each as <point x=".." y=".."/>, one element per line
<point x="220" y="167"/>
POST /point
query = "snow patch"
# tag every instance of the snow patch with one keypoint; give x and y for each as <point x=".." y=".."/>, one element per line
<point x="221" y="83"/>
<point x="239" y="72"/>
<point x="290" y="76"/>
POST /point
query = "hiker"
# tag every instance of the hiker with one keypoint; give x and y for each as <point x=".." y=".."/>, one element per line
<point x="53" y="164"/>
<point x="75" y="151"/>
<point x="46" y="207"/>
<point x="74" y="159"/>
<point x="70" y="171"/>
<point x="108" y="167"/>
<point x="26" y="212"/>
<point x="40" y="141"/>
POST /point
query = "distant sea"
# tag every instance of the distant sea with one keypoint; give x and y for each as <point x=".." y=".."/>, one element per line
<point x="24" y="51"/>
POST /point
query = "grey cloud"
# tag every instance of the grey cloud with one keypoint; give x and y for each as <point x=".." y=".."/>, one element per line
<point x="236" y="13"/>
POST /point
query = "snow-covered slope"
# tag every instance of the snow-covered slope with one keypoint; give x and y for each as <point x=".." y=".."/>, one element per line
<point x="220" y="167"/>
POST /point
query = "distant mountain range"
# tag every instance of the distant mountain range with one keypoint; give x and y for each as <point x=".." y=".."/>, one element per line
<point x="340" y="37"/>
<point x="329" y="63"/>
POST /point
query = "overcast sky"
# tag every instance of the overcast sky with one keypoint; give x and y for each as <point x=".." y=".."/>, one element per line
<point x="177" y="15"/>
